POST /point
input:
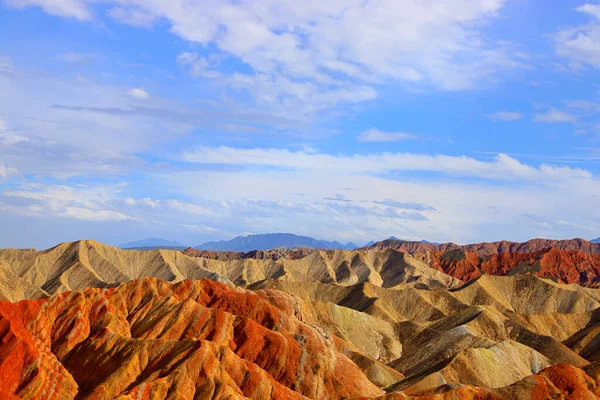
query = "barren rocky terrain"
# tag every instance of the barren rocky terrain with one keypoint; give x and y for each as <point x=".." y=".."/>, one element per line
<point x="89" y="321"/>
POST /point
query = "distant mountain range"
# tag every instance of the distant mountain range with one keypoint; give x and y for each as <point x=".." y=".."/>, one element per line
<point x="153" y="243"/>
<point x="269" y="241"/>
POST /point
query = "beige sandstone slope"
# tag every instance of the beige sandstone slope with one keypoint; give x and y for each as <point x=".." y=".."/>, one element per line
<point x="528" y="294"/>
<point x="88" y="263"/>
<point x="495" y="366"/>
<point x="449" y="337"/>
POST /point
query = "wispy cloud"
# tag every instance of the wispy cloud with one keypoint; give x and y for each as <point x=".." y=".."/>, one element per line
<point x="405" y="206"/>
<point x="77" y="58"/>
<point x="77" y="9"/>
<point x="505" y="116"/>
<point x="376" y="135"/>
<point x="502" y="167"/>
<point x="553" y="116"/>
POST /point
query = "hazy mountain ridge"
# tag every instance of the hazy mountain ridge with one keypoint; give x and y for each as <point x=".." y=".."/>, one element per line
<point x="152" y="243"/>
<point x="269" y="241"/>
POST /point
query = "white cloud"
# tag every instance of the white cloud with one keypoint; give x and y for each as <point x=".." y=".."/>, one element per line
<point x="502" y="167"/>
<point x="132" y="16"/>
<point x="63" y="127"/>
<point x="311" y="52"/>
<point x="89" y="196"/>
<point x="9" y="137"/>
<point x="342" y="197"/>
<point x="85" y="202"/>
<point x="505" y="116"/>
<point x="581" y="44"/>
<point x="591" y="9"/>
<point x="138" y="93"/>
<point x="452" y="209"/>
<point x="553" y="116"/>
<point x="297" y="100"/>
<point x="77" y="9"/>
<point x="199" y="66"/>
<point x="93" y="215"/>
<point x="375" y="135"/>
<point x="5" y="171"/>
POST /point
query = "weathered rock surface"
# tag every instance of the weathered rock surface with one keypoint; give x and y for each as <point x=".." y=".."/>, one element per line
<point x="487" y="248"/>
<point x="151" y="339"/>
<point x="76" y="265"/>
<point x="564" y="266"/>
<point x="325" y="324"/>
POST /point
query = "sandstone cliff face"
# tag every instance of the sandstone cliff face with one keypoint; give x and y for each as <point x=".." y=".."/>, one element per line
<point x="487" y="248"/>
<point x="151" y="339"/>
<point x="564" y="266"/>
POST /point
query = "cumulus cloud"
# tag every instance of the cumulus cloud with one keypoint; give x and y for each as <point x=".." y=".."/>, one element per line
<point x="311" y="53"/>
<point x="376" y="135"/>
<point x="505" y="116"/>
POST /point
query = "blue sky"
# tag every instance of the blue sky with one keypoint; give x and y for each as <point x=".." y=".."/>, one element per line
<point x="195" y="120"/>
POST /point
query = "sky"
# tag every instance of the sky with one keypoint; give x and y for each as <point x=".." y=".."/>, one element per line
<point x="353" y="120"/>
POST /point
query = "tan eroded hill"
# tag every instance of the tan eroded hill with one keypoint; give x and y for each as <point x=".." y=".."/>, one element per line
<point x="68" y="266"/>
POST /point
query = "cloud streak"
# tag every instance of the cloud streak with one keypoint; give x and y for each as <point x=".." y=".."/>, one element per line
<point x="378" y="136"/>
<point x="505" y="116"/>
<point x="501" y="167"/>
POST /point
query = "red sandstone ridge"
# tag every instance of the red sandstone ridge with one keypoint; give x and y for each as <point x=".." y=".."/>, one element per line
<point x="483" y="249"/>
<point x="148" y="339"/>
<point x="563" y="266"/>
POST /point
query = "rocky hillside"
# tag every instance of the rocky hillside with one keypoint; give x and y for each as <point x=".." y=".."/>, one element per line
<point x="371" y="324"/>
<point x="77" y="265"/>
<point x="151" y="339"/>
<point x="488" y="248"/>
<point x="564" y="266"/>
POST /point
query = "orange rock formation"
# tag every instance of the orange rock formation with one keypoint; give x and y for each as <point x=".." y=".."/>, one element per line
<point x="148" y="339"/>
